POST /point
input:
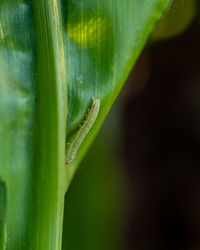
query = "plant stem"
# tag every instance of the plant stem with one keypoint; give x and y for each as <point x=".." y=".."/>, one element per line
<point x="50" y="124"/>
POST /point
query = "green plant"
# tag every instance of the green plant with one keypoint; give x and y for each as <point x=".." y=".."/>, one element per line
<point x="55" y="56"/>
<point x="178" y="19"/>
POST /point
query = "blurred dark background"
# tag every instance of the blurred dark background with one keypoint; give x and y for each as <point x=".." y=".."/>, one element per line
<point x="162" y="144"/>
<point x="139" y="186"/>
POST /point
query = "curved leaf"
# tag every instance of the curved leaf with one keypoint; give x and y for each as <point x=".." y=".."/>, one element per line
<point x="103" y="40"/>
<point x="46" y="47"/>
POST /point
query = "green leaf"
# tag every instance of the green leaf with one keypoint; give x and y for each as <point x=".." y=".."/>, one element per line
<point x="103" y="40"/>
<point x="47" y="47"/>
<point x="33" y="122"/>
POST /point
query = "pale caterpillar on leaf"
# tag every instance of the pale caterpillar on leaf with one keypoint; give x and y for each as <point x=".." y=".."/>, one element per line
<point x="83" y="131"/>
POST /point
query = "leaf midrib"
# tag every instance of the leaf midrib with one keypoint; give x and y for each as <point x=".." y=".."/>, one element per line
<point x="50" y="126"/>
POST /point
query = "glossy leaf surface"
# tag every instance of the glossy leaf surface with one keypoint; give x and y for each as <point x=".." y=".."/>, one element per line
<point x="103" y="40"/>
<point x="47" y="47"/>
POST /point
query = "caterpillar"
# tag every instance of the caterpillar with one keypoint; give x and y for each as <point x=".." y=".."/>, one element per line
<point x="83" y="131"/>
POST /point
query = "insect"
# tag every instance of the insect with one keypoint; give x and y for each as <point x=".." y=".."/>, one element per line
<point x="83" y="131"/>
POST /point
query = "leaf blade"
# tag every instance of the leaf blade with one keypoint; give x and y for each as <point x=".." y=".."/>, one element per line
<point x="103" y="40"/>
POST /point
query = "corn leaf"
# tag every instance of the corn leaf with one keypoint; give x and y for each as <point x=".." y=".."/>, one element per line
<point x="103" y="40"/>
<point x="55" y="56"/>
